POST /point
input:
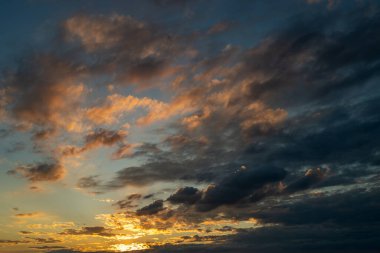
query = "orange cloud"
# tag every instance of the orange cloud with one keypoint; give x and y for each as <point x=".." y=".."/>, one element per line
<point x="101" y="31"/>
<point x="181" y="104"/>
<point x="45" y="92"/>
<point x="117" y="105"/>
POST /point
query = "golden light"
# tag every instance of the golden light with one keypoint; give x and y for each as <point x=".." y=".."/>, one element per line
<point x="130" y="247"/>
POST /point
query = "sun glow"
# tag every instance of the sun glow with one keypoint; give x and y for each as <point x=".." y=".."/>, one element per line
<point x="130" y="247"/>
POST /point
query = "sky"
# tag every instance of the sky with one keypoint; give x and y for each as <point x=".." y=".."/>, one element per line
<point x="189" y="126"/>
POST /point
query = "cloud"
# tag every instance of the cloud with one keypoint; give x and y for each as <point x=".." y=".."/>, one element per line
<point x="335" y="209"/>
<point x="40" y="172"/>
<point x="97" y="138"/>
<point x="43" y="240"/>
<point x="153" y="208"/>
<point x="241" y="186"/>
<point x="48" y="247"/>
<point x="88" y="182"/>
<point x="28" y="215"/>
<point x="98" y="231"/>
<point x="156" y="171"/>
<point x="117" y="105"/>
<point x="44" y="134"/>
<point x="44" y="91"/>
<point x="25" y="232"/>
<point x="124" y="151"/>
<point x="185" y="195"/>
<point x="130" y="49"/>
<point x="311" y="178"/>
<point x="238" y="186"/>
<point x="128" y="202"/>
<point x="13" y="242"/>
<point x="219" y="27"/>
<point x="304" y="97"/>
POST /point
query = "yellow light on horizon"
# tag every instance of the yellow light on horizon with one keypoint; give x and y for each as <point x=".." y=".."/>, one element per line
<point x="130" y="247"/>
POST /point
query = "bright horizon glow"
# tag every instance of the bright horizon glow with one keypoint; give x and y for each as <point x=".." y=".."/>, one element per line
<point x="130" y="247"/>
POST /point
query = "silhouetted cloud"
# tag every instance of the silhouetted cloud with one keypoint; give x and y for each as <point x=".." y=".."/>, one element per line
<point x="185" y="195"/>
<point x="152" y="208"/>
<point x="238" y="186"/>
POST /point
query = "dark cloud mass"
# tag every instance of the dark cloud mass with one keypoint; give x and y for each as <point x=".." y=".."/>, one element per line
<point x="152" y="208"/>
<point x="186" y="195"/>
<point x="238" y="186"/>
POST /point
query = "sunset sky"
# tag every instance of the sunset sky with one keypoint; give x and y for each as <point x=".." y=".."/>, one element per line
<point x="164" y="126"/>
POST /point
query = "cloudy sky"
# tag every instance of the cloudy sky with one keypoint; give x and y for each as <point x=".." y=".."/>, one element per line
<point x="189" y="126"/>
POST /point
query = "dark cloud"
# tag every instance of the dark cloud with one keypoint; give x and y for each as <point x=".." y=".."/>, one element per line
<point x="134" y="196"/>
<point x="88" y="182"/>
<point x="351" y="208"/>
<point x="186" y="195"/>
<point x="97" y="138"/>
<point x="25" y="232"/>
<point x="153" y="172"/>
<point x="100" y="231"/>
<point x="44" y="134"/>
<point x="26" y="215"/>
<point x="149" y="54"/>
<point x="104" y="137"/>
<point x="238" y="186"/>
<point x="310" y="52"/>
<point x="44" y="91"/>
<point x="128" y="202"/>
<point x="311" y="178"/>
<point x="153" y="208"/>
<point x="13" y="242"/>
<point x="148" y="196"/>
<point x="331" y="136"/>
<point x="40" y="172"/>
